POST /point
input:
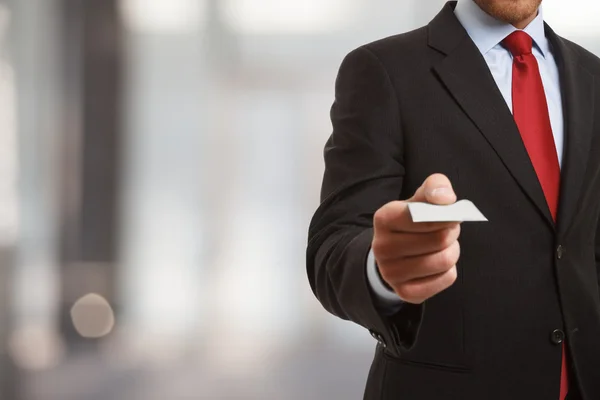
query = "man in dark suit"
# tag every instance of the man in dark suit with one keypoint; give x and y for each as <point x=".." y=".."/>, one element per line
<point x="485" y="103"/>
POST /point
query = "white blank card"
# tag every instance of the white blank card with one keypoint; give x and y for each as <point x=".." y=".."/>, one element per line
<point x="463" y="210"/>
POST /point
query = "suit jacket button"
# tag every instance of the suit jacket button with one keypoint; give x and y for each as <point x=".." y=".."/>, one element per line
<point x="376" y="335"/>
<point x="381" y="341"/>
<point x="560" y="252"/>
<point x="379" y="337"/>
<point x="557" y="336"/>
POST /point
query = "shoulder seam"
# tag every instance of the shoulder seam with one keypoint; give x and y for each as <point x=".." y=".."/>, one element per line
<point x="392" y="88"/>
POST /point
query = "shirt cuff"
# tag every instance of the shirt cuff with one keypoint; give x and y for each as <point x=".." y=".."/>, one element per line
<point x="387" y="301"/>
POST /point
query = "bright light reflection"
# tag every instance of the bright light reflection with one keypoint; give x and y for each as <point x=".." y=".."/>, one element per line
<point x="92" y="316"/>
<point x="579" y="17"/>
<point x="164" y="16"/>
<point x="290" y="16"/>
<point x="35" y="347"/>
<point x="9" y="213"/>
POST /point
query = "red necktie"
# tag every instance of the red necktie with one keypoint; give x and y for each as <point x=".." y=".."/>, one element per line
<point x="530" y="111"/>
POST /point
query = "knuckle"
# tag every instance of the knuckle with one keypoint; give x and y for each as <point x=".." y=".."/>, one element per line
<point x="384" y="272"/>
<point x="446" y="238"/>
<point x="456" y="249"/>
<point x="458" y="230"/>
<point x="387" y="213"/>
<point x="415" y="292"/>
<point x="380" y="217"/>
<point x="389" y="272"/>
<point x="450" y="277"/>
<point x="377" y="246"/>
<point x="453" y="234"/>
<point x="407" y="292"/>
<point x="451" y="255"/>
<point x="382" y="248"/>
<point x="446" y="258"/>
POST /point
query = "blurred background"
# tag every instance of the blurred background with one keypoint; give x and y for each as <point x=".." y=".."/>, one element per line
<point x="160" y="161"/>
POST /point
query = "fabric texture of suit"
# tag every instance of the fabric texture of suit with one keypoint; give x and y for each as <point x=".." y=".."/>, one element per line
<point x="425" y="102"/>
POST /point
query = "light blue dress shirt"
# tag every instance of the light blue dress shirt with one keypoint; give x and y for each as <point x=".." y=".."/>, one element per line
<point x="487" y="33"/>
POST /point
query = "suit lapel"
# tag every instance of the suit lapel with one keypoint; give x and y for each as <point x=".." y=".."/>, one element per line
<point x="577" y="86"/>
<point x="466" y="76"/>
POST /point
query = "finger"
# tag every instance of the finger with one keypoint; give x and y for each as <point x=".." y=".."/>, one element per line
<point x="419" y="290"/>
<point x="395" y="217"/>
<point x="436" y="189"/>
<point x="406" y="269"/>
<point x="394" y="245"/>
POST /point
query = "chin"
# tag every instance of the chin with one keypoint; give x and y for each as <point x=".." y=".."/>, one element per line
<point x="511" y="11"/>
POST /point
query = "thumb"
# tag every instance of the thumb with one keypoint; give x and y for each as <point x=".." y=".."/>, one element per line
<point x="436" y="189"/>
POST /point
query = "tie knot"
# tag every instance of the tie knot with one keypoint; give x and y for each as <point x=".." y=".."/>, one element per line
<point x="518" y="43"/>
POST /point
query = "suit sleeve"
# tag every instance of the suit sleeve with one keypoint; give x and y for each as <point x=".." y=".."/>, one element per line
<point x="363" y="171"/>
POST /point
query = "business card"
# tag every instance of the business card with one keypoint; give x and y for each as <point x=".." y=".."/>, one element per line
<point x="461" y="211"/>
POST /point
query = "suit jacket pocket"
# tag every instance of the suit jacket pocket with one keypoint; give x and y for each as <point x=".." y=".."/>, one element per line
<point x="440" y="366"/>
<point x="442" y="341"/>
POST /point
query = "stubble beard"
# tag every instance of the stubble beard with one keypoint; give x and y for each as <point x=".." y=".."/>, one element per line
<point x="510" y="11"/>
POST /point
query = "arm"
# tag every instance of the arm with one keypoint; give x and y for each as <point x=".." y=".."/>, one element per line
<point x="363" y="171"/>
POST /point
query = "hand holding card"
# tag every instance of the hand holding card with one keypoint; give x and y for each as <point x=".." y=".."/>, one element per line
<point x="415" y="241"/>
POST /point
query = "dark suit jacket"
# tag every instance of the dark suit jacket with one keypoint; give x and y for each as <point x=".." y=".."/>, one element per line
<point x="424" y="102"/>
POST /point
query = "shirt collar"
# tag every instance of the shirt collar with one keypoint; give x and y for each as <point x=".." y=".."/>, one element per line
<point x="487" y="32"/>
